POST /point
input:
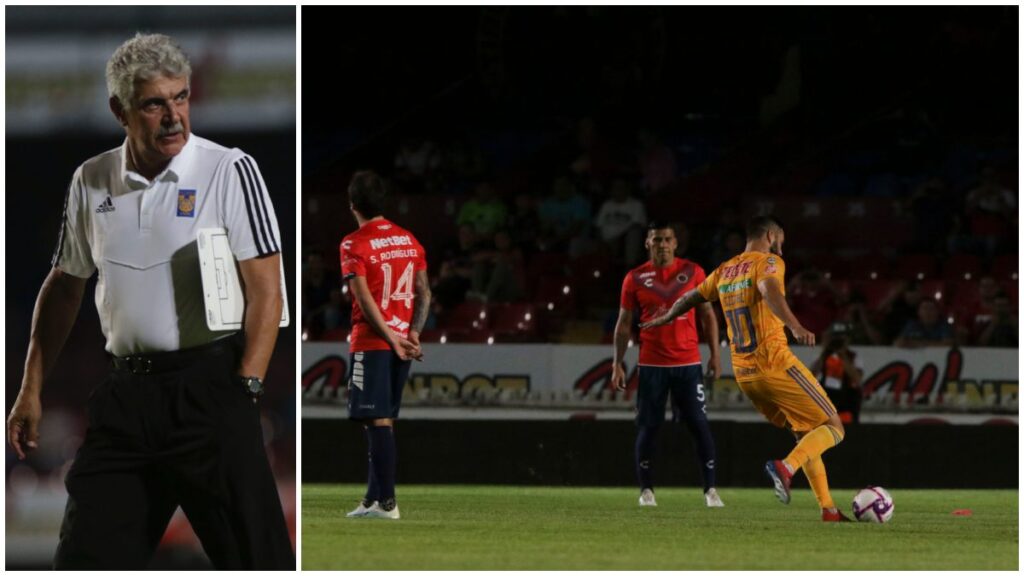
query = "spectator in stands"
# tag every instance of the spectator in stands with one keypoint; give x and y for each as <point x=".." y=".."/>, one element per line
<point x="498" y="273"/>
<point x="455" y="276"/>
<point x="595" y="157"/>
<point x="321" y="296"/>
<point x="928" y="329"/>
<point x="620" y="221"/>
<point x="657" y="162"/>
<point x="524" y="224"/>
<point x="417" y="162"/>
<point x="991" y="214"/>
<point x="978" y="312"/>
<point x="463" y="163"/>
<point x="1002" y="330"/>
<point x="860" y="328"/>
<point x="485" y="212"/>
<point x="565" y="219"/>
<point x="813" y="300"/>
<point x="990" y="196"/>
<point x="900" y="307"/>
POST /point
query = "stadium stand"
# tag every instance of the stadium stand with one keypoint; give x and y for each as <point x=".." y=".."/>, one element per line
<point x="875" y="189"/>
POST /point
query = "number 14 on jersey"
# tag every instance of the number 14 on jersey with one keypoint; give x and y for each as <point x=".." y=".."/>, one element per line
<point x="403" y="289"/>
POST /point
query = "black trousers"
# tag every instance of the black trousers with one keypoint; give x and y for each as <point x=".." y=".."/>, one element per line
<point x="846" y="399"/>
<point x="190" y="437"/>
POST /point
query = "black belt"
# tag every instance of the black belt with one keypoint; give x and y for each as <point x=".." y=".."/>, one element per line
<point x="175" y="360"/>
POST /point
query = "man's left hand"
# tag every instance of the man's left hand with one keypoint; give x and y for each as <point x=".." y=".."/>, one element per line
<point x="714" y="369"/>
<point x="410" y="349"/>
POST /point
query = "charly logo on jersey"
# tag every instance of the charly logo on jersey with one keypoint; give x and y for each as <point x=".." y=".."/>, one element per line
<point x="186" y="203"/>
<point x="106" y="206"/>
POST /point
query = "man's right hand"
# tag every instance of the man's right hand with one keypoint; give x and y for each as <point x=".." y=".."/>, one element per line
<point x="23" y="424"/>
<point x="803" y="335"/>
<point x="405" y="349"/>
<point x="618" y="377"/>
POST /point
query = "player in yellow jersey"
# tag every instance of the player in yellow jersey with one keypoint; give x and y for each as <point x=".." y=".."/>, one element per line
<point x="751" y="289"/>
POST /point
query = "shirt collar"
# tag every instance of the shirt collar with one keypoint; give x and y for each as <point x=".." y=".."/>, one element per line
<point x="174" y="171"/>
<point x="374" y="222"/>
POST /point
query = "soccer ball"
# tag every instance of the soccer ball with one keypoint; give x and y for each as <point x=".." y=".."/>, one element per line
<point x="873" y="504"/>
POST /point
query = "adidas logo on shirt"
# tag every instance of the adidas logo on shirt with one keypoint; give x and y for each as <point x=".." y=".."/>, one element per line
<point x="106" y="206"/>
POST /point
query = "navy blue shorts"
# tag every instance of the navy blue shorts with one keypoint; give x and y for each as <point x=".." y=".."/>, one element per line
<point x="375" y="382"/>
<point x="686" y="383"/>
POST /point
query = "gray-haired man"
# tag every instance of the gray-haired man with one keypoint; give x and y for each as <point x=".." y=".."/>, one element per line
<point x="176" y="422"/>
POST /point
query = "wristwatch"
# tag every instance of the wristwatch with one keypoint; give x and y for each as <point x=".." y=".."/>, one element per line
<point x="253" y="386"/>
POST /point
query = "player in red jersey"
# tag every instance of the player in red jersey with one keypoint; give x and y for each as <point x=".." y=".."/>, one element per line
<point x="669" y="357"/>
<point x="386" y="270"/>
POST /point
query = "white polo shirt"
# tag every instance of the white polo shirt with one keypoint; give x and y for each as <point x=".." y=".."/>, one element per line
<point x="141" y="237"/>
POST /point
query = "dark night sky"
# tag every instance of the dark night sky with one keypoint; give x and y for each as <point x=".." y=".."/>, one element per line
<point x="430" y="69"/>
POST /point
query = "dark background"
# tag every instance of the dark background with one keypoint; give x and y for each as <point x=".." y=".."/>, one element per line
<point x="535" y="70"/>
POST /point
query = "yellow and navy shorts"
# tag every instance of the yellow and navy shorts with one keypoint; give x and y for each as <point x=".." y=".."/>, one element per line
<point x="790" y="398"/>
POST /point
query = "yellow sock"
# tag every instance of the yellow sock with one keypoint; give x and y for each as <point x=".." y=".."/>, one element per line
<point x="814" y="469"/>
<point x="813" y="445"/>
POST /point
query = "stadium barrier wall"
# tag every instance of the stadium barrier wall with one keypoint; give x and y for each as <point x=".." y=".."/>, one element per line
<point x="600" y="453"/>
<point x="537" y="375"/>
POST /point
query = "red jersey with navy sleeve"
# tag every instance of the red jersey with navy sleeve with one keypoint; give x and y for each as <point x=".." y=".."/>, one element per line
<point x="388" y="256"/>
<point x="652" y="291"/>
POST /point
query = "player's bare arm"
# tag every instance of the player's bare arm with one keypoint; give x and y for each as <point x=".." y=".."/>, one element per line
<point x="772" y="293"/>
<point x="681" y="306"/>
<point x="261" y="279"/>
<point x="56" y="309"/>
<point x="622" y="329"/>
<point x="420" y="310"/>
<point x="709" y="326"/>
<point x="364" y="298"/>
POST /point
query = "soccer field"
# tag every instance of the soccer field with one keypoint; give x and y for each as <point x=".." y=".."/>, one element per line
<point x="534" y="528"/>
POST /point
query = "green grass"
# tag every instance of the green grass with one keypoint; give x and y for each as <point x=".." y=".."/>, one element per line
<point x="531" y="528"/>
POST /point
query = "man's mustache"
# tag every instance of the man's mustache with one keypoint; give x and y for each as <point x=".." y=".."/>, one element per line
<point x="177" y="128"/>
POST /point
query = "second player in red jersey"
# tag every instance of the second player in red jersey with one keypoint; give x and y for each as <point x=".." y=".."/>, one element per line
<point x="386" y="270"/>
<point x="669" y="357"/>
<point x="652" y="290"/>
